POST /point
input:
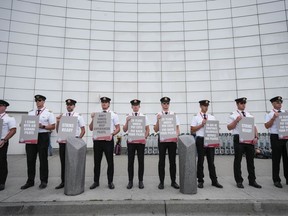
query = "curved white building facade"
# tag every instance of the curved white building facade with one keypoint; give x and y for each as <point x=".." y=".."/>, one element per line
<point x="124" y="49"/>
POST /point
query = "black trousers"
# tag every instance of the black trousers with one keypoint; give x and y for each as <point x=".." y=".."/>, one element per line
<point x="132" y="148"/>
<point x="209" y="152"/>
<point x="31" y="151"/>
<point x="279" y="150"/>
<point x="239" y="150"/>
<point x="62" y="149"/>
<point x="162" y="147"/>
<point x="3" y="163"/>
<point x="100" y="146"/>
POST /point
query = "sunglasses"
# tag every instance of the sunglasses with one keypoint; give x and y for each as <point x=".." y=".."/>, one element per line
<point x="39" y="100"/>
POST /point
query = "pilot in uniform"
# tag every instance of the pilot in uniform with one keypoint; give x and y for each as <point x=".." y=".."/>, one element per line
<point x="241" y="148"/>
<point x="106" y="146"/>
<point x="197" y="125"/>
<point x="46" y="125"/>
<point x="8" y="131"/>
<point x="133" y="147"/>
<point x="278" y="146"/>
<point x="80" y="131"/>
<point x="163" y="146"/>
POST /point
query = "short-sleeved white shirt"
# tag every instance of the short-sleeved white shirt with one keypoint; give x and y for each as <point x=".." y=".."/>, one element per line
<point x="197" y="120"/>
<point x="170" y="113"/>
<point x="46" y="117"/>
<point x="273" y="129"/>
<point x="9" y="122"/>
<point x="233" y="117"/>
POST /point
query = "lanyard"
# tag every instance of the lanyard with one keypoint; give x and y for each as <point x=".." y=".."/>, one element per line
<point x="206" y="115"/>
<point x="241" y="114"/>
<point x="3" y="115"/>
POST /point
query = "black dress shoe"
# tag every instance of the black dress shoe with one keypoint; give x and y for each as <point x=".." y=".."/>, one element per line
<point x="278" y="184"/>
<point x="60" y="186"/>
<point x="94" y="185"/>
<point x="43" y="185"/>
<point x="216" y="184"/>
<point x="141" y="185"/>
<point x="111" y="185"/>
<point x="175" y="185"/>
<point x="200" y="185"/>
<point x="161" y="186"/>
<point x="254" y="184"/>
<point x="2" y="187"/>
<point x="130" y="185"/>
<point x="27" y="185"/>
<point x="240" y="185"/>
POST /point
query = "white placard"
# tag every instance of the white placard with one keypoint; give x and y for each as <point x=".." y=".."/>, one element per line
<point x="67" y="127"/>
<point x="29" y="129"/>
<point x="211" y="134"/>
<point x="136" y="129"/>
<point x="102" y="126"/>
<point x="167" y="128"/>
<point x="247" y="130"/>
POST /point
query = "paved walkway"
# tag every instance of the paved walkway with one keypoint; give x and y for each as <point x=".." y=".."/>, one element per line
<point x="210" y="200"/>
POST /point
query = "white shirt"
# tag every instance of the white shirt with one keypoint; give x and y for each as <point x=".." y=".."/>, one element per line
<point x="46" y="117"/>
<point x="114" y="120"/>
<point x="80" y="121"/>
<point x="233" y="117"/>
<point x="197" y="120"/>
<point x="273" y="129"/>
<point x="170" y="113"/>
<point x="9" y="122"/>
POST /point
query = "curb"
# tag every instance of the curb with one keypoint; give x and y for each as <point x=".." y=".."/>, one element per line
<point x="130" y="207"/>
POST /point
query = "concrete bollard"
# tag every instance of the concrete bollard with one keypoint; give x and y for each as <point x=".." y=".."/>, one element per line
<point x="75" y="162"/>
<point x="187" y="164"/>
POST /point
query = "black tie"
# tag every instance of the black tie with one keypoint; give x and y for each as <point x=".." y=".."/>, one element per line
<point x="204" y="116"/>
<point x="104" y="111"/>
<point x="38" y="112"/>
<point x="69" y="114"/>
<point x="136" y="114"/>
<point x="166" y="113"/>
<point x="279" y="111"/>
<point x="243" y="113"/>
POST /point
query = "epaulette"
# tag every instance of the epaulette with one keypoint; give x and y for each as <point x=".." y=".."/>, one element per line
<point x="231" y="113"/>
<point x="30" y="110"/>
<point x="50" y="111"/>
<point x="10" y="115"/>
